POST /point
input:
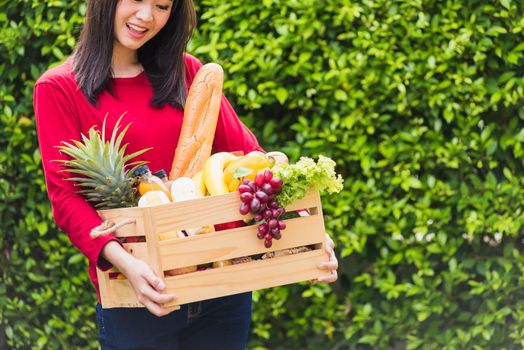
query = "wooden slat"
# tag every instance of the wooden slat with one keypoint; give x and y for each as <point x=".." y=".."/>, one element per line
<point x="318" y="211"/>
<point x="153" y="249"/>
<point x="119" y="215"/>
<point x="210" y="211"/>
<point x="138" y="250"/>
<point x="124" y="295"/>
<point x="239" y="242"/>
<point x="241" y="278"/>
<point x="310" y="200"/>
<point x="234" y="279"/>
<point x="198" y="212"/>
<point x="104" y="286"/>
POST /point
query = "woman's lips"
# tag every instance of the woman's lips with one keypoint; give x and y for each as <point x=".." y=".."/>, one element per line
<point x="136" y="31"/>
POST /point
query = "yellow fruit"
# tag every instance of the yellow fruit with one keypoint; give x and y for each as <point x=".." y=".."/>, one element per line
<point x="255" y="161"/>
<point x="208" y="229"/>
<point x="214" y="172"/>
<point x="223" y="263"/>
<point x="233" y="185"/>
<point x="153" y="198"/>
<point x="200" y="230"/>
<point x="180" y="271"/>
<point x="170" y="235"/>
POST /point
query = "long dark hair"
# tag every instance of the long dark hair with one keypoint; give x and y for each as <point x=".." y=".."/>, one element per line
<point x="162" y="57"/>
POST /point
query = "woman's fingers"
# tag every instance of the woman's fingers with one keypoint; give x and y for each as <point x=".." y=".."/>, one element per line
<point x="155" y="309"/>
<point x="158" y="310"/>
<point x="329" y="278"/>
<point x="330" y="242"/>
<point x="160" y="298"/>
<point x="330" y="265"/>
<point x="154" y="281"/>
<point x="156" y="285"/>
<point x="153" y="301"/>
<point x="148" y="287"/>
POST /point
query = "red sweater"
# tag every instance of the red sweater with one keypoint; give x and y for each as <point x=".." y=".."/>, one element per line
<point x="63" y="113"/>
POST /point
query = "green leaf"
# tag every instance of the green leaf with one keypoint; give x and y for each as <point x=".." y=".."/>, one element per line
<point x="341" y="95"/>
<point x="242" y="171"/>
<point x="506" y="3"/>
<point x="281" y="95"/>
<point x="75" y="259"/>
<point x="507" y="174"/>
<point x="36" y="278"/>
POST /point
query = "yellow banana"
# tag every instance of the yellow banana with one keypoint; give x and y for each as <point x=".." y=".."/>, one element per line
<point x="233" y="185"/>
<point x="214" y="172"/>
<point x="253" y="160"/>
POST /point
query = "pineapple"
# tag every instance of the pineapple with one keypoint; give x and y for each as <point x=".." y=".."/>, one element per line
<point x="106" y="179"/>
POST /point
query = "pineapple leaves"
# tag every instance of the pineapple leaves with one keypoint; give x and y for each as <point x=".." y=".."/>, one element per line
<point x="101" y="167"/>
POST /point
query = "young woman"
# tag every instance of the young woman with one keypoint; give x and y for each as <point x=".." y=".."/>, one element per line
<point x="130" y="58"/>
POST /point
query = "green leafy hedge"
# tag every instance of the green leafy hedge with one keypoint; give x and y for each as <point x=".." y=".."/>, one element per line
<point x="419" y="102"/>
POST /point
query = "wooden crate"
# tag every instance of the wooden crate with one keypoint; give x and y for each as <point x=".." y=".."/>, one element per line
<point x="217" y="246"/>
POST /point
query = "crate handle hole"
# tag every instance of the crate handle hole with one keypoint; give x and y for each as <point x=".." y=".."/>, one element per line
<point x="132" y="239"/>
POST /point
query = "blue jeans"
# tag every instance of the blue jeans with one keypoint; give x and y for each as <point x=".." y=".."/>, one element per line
<point x="221" y="323"/>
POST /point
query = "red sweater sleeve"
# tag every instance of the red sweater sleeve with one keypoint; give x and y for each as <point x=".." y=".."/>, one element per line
<point x="231" y="134"/>
<point x="57" y="121"/>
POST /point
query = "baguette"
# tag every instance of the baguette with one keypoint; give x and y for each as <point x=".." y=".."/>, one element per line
<point x="200" y="121"/>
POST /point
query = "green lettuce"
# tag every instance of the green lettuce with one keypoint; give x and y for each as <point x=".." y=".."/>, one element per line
<point x="306" y="175"/>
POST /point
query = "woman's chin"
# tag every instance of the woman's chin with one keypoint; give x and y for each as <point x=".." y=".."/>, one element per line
<point x="131" y="44"/>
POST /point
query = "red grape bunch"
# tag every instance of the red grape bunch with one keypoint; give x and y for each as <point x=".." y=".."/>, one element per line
<point x="259" y="198"/>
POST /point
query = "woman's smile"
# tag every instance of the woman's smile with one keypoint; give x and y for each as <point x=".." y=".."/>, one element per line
<point x="136" y="31"/>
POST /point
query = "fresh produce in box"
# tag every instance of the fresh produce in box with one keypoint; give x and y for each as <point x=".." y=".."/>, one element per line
<point x="266" y="196"/>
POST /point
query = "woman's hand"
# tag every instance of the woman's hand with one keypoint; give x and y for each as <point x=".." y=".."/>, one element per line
<point x="147" y="285"/>
<point x="330" y="265"/>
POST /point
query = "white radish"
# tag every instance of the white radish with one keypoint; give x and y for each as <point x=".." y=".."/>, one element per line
<point x="183" y="189"/>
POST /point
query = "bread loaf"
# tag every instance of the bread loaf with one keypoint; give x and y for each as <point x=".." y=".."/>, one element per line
<point x="200" y="121"/>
